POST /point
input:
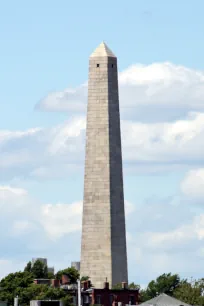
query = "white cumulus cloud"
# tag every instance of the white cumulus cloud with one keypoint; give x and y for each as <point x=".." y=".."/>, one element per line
<point x="58" y="150"/>
<point x="156" y="92"/>
<point x="60" y="219"/>
<point x="193" y="183"/>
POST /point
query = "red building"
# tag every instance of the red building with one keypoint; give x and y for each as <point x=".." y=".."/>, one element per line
<point x="109" y="297"/>
<point x="93" y="296"/>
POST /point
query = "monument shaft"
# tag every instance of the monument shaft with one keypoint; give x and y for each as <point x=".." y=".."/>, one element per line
<point x="103" y="247"/>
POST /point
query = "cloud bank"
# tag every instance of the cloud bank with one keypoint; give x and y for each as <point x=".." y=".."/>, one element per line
<point x="149" y="93"/>
<point x="60" y="150"/>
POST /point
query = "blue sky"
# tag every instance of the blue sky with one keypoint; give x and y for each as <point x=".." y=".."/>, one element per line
<point x="44" y="52"/>
<point x="45" y="46"/>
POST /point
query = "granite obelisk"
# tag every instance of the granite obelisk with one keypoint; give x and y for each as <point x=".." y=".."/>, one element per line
<point x="103" y="246"/>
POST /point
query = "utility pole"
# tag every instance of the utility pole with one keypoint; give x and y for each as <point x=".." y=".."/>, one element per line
<point x="79" y="292"/>
<point x="16" y="301"/>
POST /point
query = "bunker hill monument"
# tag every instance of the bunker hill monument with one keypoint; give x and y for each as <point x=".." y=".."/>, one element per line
<point x="103" y="245"/>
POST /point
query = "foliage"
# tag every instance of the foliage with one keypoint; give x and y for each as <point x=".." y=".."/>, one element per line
<point x="133" y="286"/>
<point x="50" y="275"/>
<point x="187" y="292"/>
<point x="72" y="273"/>
<point x="130" y="286"/>
<point x="67" y="300"/>
<point x="30" y="293"/>
<point x="165" y="283"/>
<point x="52" y="294"/>
<point x="28" y="267"/>
<point x="117" y="286"/>
<point x="13" y="284"/>
<point x="190" y="293"/>
<point x="84" y="278"/>
<point x="42" y="292"/>
<point x="21" y="284"/>
<point x="39" y="270"/>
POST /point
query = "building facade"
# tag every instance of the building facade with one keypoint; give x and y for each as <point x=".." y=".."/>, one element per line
<point x="108" y="297"/>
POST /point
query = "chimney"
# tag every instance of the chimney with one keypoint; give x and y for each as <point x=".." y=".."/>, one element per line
<point x="65" y="279"/>
<point x="106" y="285"/>
<point x="85" y="285"/>
<point x="55" y="283"/>
<point x="124" y="285"/>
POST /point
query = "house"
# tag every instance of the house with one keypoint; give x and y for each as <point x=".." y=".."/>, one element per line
<point x="164" y="300"/>
<point x="92" y="296"/>
<point x="108" y="297"/>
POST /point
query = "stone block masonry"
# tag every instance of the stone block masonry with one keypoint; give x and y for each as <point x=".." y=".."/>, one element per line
<point x="103" y="246"/>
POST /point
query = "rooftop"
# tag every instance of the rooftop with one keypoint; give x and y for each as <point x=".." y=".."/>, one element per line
<point x="164" y="300"/>
<point x="102" y="51"/>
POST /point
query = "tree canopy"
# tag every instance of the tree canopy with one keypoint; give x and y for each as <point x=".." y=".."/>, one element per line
<point x="171" y="284"/>
<point x="190" y="292"/>
<point x="22" y="284"/>
<point x="15" y="284"/>
<point x="39" y="269"/>
<point x="165" y="283"/>
<point x="72" y="273"/>
<point x="84" y="278"/>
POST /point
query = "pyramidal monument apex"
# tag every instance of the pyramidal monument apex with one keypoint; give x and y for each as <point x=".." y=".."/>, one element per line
<point x="103" y="243"/>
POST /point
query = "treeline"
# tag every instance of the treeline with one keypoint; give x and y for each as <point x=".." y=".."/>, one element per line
<point x="21" y="284"/>
<point x="190" y="292"/>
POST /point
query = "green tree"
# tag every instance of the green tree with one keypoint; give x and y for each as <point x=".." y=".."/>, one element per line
<point x="28" y="267"/>
<point x="67" y="300"/>
<point x="21" y="284"/>
<point x="133" y="286"/>
<point x="45" y="271"/>
<point x="72" y="273"/>
<point x="51" y="293"/>
<point x="84" y="278"/>
<point x="30" y="293"/>
<point x="165" y="283"/>
<point x="50" y="275"/>
<point x="190" y="292"/>
<point x="117" y="286"/>
<point x="13" y="284"/>
<point x="39" y="270"/>
<point x="55" y="294"/>
<point x="42" y="292"/>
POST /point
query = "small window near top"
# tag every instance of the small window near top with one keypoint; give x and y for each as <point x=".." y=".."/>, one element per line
<point x="97" y="65"/>
<point x="112" y="65"/>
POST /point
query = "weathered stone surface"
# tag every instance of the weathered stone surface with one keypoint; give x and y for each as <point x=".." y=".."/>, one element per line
<point x="103" y="246"/>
